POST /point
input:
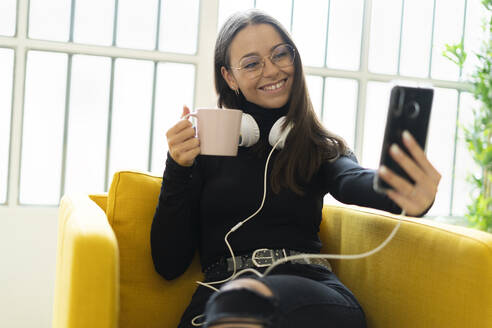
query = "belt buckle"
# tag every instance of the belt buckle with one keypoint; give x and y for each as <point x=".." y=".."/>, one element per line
<point x="262" y="257"/>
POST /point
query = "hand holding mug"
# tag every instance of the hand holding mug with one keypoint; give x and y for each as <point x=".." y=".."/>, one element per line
<point x="218" y="130"/>
<point x="183" y="145"/>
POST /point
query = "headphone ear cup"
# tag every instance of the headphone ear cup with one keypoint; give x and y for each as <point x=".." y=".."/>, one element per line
<point x="277" y="133"/>
<point x="250" y="132"/>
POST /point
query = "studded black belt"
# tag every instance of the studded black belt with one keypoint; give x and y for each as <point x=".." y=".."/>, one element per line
<point x="262" y="257"/>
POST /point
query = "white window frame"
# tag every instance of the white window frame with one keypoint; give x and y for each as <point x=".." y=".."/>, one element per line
<point x="204" y="88"/>
<point x="21" y="44"/>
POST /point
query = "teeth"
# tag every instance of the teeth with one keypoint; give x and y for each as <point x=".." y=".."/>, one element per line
<point x="274" y="86"/>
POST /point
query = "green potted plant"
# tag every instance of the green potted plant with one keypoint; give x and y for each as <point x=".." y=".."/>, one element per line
<point x="478" y="134"/>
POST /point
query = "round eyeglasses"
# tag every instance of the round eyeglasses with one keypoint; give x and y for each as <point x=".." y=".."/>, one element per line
<point x="282" y="56"/>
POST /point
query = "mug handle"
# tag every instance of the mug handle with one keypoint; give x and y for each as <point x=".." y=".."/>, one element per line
<point x="190" y="114"/>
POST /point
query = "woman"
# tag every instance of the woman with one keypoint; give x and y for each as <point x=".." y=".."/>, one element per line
<point x="258" y="70"/>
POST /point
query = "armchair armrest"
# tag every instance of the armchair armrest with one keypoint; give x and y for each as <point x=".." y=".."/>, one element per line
<point x="430" y="275"/>
<point x="87" y="266"/>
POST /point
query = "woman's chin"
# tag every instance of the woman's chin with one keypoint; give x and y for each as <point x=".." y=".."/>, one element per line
<point x="272" y="102"/>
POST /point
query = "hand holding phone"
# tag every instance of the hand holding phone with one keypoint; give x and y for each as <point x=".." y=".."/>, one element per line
<point x="408" y="178"/>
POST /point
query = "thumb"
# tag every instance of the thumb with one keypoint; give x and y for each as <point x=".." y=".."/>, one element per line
<point x="186" y="111"/>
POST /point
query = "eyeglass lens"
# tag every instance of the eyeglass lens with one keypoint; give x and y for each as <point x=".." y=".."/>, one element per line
<point x="281" y="56"/>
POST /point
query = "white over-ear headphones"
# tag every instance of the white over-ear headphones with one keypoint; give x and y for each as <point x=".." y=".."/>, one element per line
<point x="250" y="132"/>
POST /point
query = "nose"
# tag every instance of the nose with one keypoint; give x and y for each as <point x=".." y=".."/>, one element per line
<point x="269" y="68"/>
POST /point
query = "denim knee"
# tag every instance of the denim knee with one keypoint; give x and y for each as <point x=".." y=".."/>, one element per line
<point x="242" y="304"/>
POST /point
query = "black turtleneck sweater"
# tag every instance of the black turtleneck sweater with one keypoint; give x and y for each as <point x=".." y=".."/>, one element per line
<point x="198" y="205"/>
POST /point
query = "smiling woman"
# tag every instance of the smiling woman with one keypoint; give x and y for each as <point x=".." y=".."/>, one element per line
<point x="259" y="70"/>
<point x="251" y="56"/>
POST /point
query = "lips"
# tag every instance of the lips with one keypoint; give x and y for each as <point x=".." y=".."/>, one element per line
<point x="274" y="86"/>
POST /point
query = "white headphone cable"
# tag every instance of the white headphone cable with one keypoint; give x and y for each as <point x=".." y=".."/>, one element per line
<point x="288" y="258"/>
<point x="237" y="226"/>
<point x="229" y="246"/>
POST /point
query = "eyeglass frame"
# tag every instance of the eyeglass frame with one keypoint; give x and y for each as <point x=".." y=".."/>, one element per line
<point x="270" y="58"/>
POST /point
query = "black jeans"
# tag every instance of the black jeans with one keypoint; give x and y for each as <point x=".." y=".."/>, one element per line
<point x="304" y="295"/>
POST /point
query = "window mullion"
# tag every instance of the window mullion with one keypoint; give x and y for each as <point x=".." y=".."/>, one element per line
<point x="327" y="31"/>
<point x="455" y="149"/>
<point x="154" y="83"/>
<point x="110" y="103"/>
<point x="67" y="104"/>
<point x="65" y="124"/>
<point x="429" y="73"/>
<point x="115" y="23"/>
<point x="401" y="37"/>
<point x="456" y="130"/>
<point x="109" y="125"/>
<point x="17" y="103"/>
<point x="363" y="79"/>
<point x="463" y="31"/>
<point x="323" y="91"/>
<point x="291" y="16"/>
<point x="152" y="117"/>
<point x="204" y="85"/>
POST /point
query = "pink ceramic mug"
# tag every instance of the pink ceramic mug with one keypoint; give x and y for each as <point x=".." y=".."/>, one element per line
<point x="218" y="130"/>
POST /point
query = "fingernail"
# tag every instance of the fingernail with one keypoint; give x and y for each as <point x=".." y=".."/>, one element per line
<point x="394" y="149"/>
<point x="383" y="169"/>
<point x="406" y="135"/>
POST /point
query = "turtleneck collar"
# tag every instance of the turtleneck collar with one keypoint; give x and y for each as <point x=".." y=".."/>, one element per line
<point x="265" y="117"/>
<point x="265" y="113"/>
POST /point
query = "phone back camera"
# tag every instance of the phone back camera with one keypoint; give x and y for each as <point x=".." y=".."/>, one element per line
<point x="397" y="101"/>
<point x="412" y="109"/>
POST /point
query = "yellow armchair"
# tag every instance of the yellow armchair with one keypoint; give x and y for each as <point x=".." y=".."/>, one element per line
<point x="430" y="275"/>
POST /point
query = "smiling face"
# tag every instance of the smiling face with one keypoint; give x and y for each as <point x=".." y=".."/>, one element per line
<point x="270" y="89"/>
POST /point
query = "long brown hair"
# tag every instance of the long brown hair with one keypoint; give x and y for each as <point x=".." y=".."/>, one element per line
<point x="309" y="144"/>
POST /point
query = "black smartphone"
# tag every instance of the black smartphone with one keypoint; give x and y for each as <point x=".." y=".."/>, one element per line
<point x="409" y="109"/>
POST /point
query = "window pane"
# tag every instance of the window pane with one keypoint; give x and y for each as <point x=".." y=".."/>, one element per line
<point x="137" y="24"/>
<point x="344" y="34"/>
<point x="341" y="108"/>
<point x="385" y="36"/>
<point x="7" y="17"/>
<point x="6" y="73"/>
<point x="179" y="26"/>
<point x="440" y="145"/>
<point x="474" y="34"/>
<point x="315" y="87"/>
<point x="175" y="88"/>
<point x="42" y="133"/>
<point x="374" y="122"/>
<point x="94" y="22"/>
<point x="228" y="7"/>
<point x="280" y="9"/>
<point x="49" y="20"/>
<point x="448" y="28"/>
<point x="87" y="126"/>
<point x="132" y="103"/>
<point x="416" y="38"/>
<point x="465" y="164"/>
<point x="310" y="34"/>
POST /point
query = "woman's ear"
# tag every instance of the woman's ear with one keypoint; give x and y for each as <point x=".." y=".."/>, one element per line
<point x="229" y="78"/>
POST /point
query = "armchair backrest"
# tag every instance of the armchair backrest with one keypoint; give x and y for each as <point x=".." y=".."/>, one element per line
<point x="146" y="299"/>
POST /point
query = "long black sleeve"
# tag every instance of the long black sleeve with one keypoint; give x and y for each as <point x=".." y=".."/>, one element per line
<point x="175" y="228"/>
<point x="350" y="183"/>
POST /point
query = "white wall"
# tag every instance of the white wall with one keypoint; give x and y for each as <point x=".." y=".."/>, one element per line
<point x="27" y="266"/>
